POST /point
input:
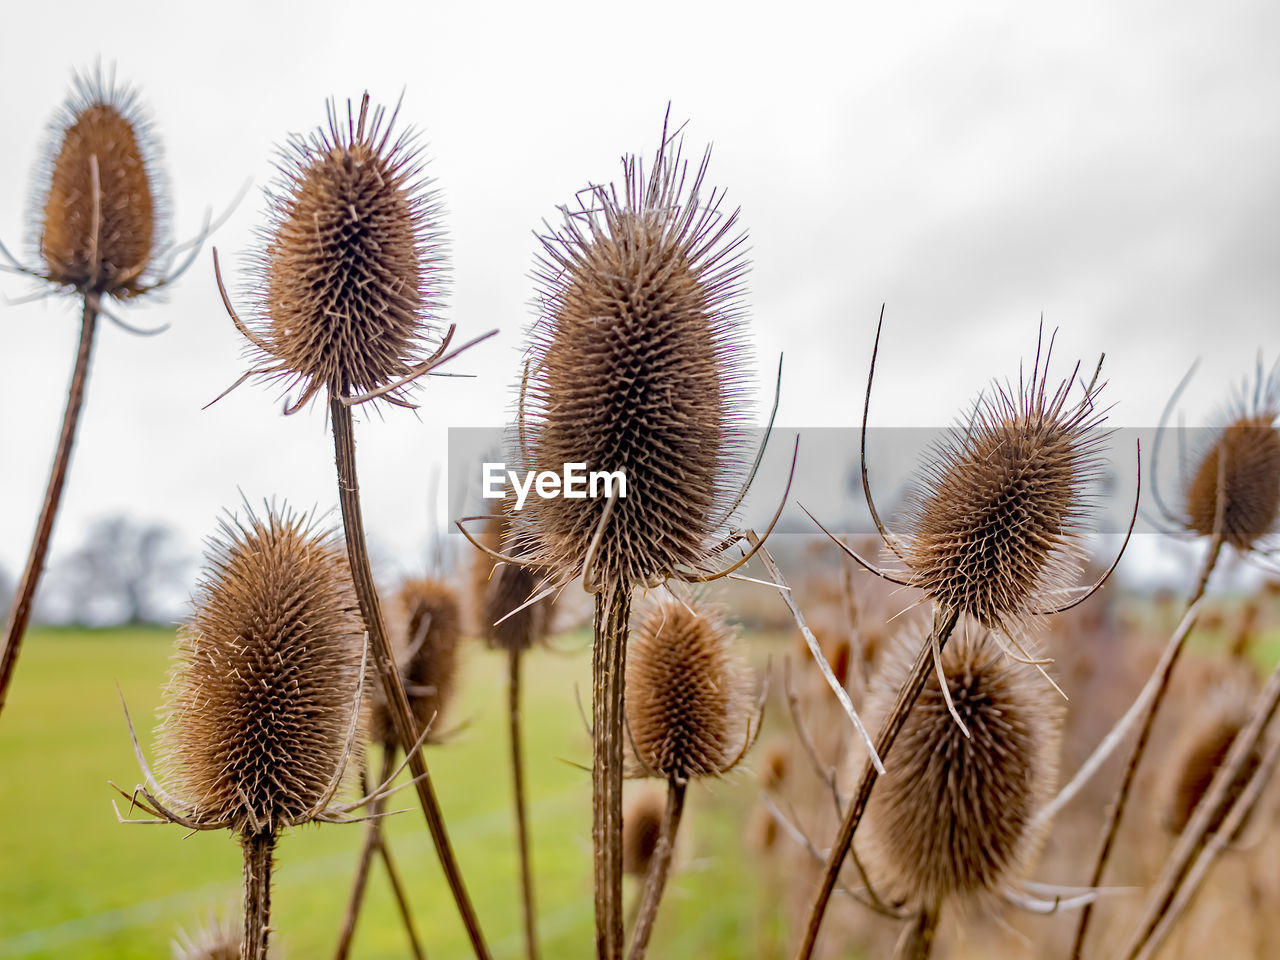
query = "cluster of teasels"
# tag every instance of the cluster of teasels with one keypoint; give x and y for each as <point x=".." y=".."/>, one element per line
<point x="291" y="664"/>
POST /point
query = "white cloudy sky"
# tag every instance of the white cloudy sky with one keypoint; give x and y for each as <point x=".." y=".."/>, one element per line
<point x="973" y="165"/>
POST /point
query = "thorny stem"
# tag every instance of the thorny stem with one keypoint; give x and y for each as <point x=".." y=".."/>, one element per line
<point x="655" y="881"/>
<point x="1116" y="810"/>
<point x="392" y="684"/>
<point x="608" y="668"/>
<point x="20" y="611"/>
<point x="943" y="623"/>
<point x="257" y="849"/>
<point x="916" y="940"/>
<point x="1211" y="810"/>
<point x="514" y="653"/>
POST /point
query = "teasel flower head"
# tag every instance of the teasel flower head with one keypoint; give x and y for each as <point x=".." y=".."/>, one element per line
<point x="100" y="200"/>
<point x="689" y="704"/>
<point x="508" y="618"/>
<point x="260" y="711"/>
<point x="214" y="940"/>
<point x="350" y="272"/>
<point x="953" y="817"/>
<point x="641" y="827"/>
<point x="427" y="627"/>
<point x="1203" y="747"/>
<point x="637" y="364"/>
<point x="1236" y="482"/>
<point x="995" y="520"/>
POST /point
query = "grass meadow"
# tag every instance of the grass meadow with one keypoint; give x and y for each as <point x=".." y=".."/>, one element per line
<point x="75" y="883"/>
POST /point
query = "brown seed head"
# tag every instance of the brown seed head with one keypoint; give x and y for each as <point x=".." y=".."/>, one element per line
<point x="1239" y="474"/>
<point x="101" y="139"/>
<point x="641" y="825"/>
<point x="215" y="940"/>
<point x="1200" y="753"/>
<point x="428" y="626"/>
<point x="349" y="275"/>
<point x="777" y="761"/>
<point x="688" y="694"/>
<point x="995" y="521"/>
<point x="505" y="587"/>
<point x="259" y="704"/>
<point x="638" y="366"/>
<point x="953" y="816"/>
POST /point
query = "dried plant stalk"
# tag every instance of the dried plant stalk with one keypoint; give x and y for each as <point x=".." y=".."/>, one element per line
<point x="659" y="870"/>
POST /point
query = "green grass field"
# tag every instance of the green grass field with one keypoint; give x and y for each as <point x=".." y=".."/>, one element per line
<point x="75" y="883"/>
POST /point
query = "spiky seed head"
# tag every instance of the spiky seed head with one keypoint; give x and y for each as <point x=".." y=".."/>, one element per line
<point x="638" y="365"/>
<point x="259" y="705"/>
<point x="214" y="940"/>
<point x="762" y="830"/>
<point x="1239" y="473"/>
<point x="427" y="626"/>
<point x="505" y="587"/>
<point x="349" y="275"/>
<point x="688" y="693"/>
<point x="1202" y="749"/>
<point x="953" y="816"/>
<point x="102" y="130"/>
<point x="777" y="762"/>
<point x="995" y="520"/>
<point x="641" y="826"/>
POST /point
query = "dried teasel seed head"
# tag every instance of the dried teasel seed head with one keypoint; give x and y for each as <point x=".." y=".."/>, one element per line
<point x="349" y="276"/>
<point x="505" y="587"/>
<point x="688" y="694"/>
<point x="1201" y="751"/>
<point x="641" y="826"/>
<point x="100" y="202"/>
<point x="953" y="816"/>
<point x="427" y="619"/>
<point x="214" y="940"/>
<point x="1238" y="475"/>
<point x="776" y="764"/>
<point x="762" y="830"/>
<point x="259" y="705"/>
<point x="638" y="365"/>
<point x="994" y="522"/>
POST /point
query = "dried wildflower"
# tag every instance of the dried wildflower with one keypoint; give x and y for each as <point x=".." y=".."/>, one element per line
<point x="953" y="816"/>
<point x="349" y="277"/>
<point x="429" y="622"/>
<point x="214" y="940"/>
<point x="777" y="763"/>
<point x="100" y="205"/>
<point x="638" y="366"/>
<point x="689" y="703"/>
<point x="508" y="620"/>
<point x="1238" y="475"/>
<point x="641" y="826"/>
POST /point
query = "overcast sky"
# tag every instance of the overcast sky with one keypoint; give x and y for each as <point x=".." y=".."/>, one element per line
<point x="1112" y="166"/>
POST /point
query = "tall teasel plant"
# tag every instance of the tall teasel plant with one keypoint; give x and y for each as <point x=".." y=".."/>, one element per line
<point x="690" y="714"/>
<point x="102" y="234"/>
<point x="262" y="710"/>
<point x="636" y="364"/>
<point x="345" y="292"/>
<point x="994" y="524"/>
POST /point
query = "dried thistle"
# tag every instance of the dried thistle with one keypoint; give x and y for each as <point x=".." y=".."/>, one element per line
<point x="429" y="621"/>
<point x="641" y="827"/>
<point x="1236" y="482"/>
<point x="214" y="940"/>
<point x="350" y="275"/>
<point x="953" y="818"/>
<point x="689" y="705"/>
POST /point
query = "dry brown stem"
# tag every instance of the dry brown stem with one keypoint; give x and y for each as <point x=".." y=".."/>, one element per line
<point x="608" y="672"/>
<point x="655" y="881"/>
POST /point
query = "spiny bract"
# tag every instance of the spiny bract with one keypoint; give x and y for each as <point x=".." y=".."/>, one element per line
<point x="637" y="365"/>
<point x="952" y="816"/>
<point x="259" y="705"/>
<point x="688" y="694"/>
<point x="100" y="136"/>
<point x="349" y="275"/>
<point x="994" y="523"/>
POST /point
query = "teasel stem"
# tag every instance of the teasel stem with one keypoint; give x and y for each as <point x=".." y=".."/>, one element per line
<point x="1116" y="810"/>
<point x="944" y="621"/>
<point x="1211" y="810"/>
<point x="514" y="653"/>
<point x="916" y="940"/>
<point x="20" y="612"/>
<point x="374" y="843"/>
<point x="397" y="700"/>
<point x="258" y="849"/>
<point x="608" y="672"/>
<point x="655" y="882"/>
